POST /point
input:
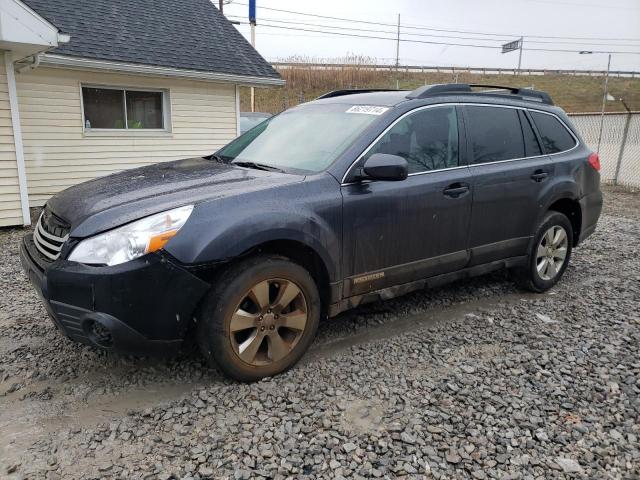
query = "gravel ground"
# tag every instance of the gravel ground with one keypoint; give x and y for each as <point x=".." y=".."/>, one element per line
<point x="473" y="380"/>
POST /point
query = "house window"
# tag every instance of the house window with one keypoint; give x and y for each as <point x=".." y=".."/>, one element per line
<point x="123" y="109"/>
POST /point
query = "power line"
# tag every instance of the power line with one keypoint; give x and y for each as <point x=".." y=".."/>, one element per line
<point x="355" y="35"/>
<point x="300" y="35"/>
<point x="424" y="27"/>
<point x="318" y="25"/>
<point x="532" y="36"/>
<point x="555" y="2"/>
<point x="315" y="25"/>
<point x="321" y="16"/>
<point x="556" y="42"/>
<point x="429" y="42"/>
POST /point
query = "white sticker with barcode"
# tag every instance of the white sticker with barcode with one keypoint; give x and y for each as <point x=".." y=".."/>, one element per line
<point x="368" y="109"/>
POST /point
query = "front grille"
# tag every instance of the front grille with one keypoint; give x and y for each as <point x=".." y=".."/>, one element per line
<point x="49" y="235"/>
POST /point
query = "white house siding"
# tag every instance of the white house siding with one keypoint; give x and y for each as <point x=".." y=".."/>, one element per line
<point x="58" y="153"/>
<point x="10" y="207"/>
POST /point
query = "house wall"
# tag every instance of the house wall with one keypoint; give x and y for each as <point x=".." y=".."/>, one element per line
<point x="59" y="153"/>
<point x="10" y="207"/>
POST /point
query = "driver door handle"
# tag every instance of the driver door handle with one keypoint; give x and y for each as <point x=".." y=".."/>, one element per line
<point x="456" y="190"/>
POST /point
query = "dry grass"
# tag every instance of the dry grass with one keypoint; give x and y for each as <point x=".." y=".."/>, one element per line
<point x="573" y="93"/>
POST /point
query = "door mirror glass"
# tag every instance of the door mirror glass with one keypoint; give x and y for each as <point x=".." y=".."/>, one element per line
<point x="384" y="166"/>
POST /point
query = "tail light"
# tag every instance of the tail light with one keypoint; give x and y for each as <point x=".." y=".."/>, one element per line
<point x="594" y="161"/>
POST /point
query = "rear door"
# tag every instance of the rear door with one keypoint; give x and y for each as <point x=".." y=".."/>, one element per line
<point x="509" y="174"/>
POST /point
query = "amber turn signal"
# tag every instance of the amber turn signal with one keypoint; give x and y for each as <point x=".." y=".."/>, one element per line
<point x="156" y="242"/>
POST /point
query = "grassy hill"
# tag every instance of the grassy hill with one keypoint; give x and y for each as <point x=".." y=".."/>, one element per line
<point x="572" y="92"/>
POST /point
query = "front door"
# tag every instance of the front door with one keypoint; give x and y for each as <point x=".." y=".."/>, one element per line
<point x="509" y="174"/>
<point x="399" y="231"/>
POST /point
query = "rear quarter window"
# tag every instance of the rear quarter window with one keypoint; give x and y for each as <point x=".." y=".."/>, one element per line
<point x="554" y="135"/>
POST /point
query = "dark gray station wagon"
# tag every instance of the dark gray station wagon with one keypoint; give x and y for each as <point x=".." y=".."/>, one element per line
<point x="354" y="197"/>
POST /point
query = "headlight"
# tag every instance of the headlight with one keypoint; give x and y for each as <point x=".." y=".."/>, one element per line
<point x="132" y="240"/>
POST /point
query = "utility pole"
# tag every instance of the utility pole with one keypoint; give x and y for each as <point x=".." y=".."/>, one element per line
<point x="398" y="45"/>
<point x="252" y="22"/>
<point x="520" y="56"/>
<point x="221" y="4"/>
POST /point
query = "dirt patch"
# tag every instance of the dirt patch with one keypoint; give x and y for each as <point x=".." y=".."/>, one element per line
<point x="473" y="379"/>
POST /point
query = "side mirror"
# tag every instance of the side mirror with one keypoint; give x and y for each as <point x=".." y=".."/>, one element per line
<point x="383" y="166"/>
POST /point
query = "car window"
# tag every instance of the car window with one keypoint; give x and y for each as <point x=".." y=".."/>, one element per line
<point x="495" y="134"/>
<point x="306" y="138"/>
<point x="249" y="120"/>
<point x="555" y="137"/>
<point x="247" y="124"/>
<point x="426" y="139"/>
<point x="531" y="145"/>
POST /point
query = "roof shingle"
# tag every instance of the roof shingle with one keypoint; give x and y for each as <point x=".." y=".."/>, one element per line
<point x="185" y="34"/>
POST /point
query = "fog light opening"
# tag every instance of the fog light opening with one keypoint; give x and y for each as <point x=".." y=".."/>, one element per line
<point x="98" y="334"/>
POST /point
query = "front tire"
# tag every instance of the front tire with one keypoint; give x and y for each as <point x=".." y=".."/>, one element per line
<point x="259" y="318"/>
<point x="549" y="254"/>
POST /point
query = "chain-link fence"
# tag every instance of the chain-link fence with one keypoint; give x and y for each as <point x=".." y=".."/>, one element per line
<point x="619" y="147"/>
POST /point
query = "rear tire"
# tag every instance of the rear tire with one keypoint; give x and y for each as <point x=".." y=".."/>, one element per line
<point x="549" y="254"/>
<point x="259" y="318"/>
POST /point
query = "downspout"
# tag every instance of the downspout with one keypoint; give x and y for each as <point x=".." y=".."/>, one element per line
<point x="31" y="65"/>
<point x="17" y="137"/>
<point x="11" y="67"/>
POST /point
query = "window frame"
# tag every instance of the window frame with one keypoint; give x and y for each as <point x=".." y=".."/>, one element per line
<point x="526" y="111"/>
<point x="464" y="132"/>
<point x="537" y="132"/>
<point x="470" y="159"/>
<point x="462" y="141"/>
<point x="166" y="112"/>
<point x="458" y="136"/>
<point x="526" y="117"/>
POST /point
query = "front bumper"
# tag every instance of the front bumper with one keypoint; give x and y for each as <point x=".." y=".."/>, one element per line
<point x="140" y="307"/>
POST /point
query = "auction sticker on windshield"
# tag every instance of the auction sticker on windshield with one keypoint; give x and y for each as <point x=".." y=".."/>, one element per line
<point x="368" y="109"/>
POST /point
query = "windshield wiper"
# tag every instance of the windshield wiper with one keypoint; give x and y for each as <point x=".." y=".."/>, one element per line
<point x="259" y="166"/>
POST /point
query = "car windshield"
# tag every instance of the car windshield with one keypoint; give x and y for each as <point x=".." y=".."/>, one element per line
<point x="307" y="138"/>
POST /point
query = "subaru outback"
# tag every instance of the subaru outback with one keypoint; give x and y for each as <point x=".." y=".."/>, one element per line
<point x="355" y="197"/>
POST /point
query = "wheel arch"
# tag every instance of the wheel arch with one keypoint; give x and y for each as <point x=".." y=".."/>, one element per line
<point x="562" y="195"/>
<point x="305" y="256"/>
<point x="570" y="207"/>
<point x="301" y="254"/>
<point x="305" y="252"/>
<point x="222" y="238"/>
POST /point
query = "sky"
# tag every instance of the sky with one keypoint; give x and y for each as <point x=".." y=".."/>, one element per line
<point x="593" y="25"/>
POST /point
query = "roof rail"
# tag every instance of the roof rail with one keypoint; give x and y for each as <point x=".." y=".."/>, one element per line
<point x="353" y="91"/>
<point x="439" y="89"/>
<point x="465" y="89"/>
<point x="535" y="95"/>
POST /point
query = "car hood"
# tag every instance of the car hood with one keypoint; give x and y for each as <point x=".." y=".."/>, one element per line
<point x="107" y="202"/>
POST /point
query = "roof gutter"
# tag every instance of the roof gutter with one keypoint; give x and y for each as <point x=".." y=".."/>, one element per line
<point x="64" y="61"/>
<point x="32" y="62"/>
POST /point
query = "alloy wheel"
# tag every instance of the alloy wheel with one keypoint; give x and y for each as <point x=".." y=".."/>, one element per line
<point x="552" y="252"/>
<point x="268" y="322"/>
